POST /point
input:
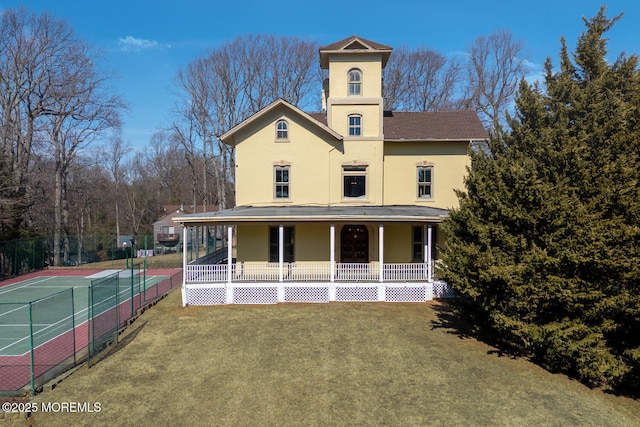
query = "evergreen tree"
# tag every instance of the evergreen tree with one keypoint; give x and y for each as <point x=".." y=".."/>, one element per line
<point x="545" y="245"/>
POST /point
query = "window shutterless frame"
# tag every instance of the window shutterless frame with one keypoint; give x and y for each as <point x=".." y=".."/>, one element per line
<point x="355" y="82"/>
<point x="282" y="130"/>
<point x="354" y="182"/>
<point x="281" y="175"/>
<point x="424" y="177"/>
<point x="355" y="125"/>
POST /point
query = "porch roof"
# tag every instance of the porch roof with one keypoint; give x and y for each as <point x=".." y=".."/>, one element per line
<point x="317" y="214"/>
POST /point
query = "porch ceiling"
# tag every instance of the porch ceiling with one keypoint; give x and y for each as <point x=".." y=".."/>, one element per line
<point x="317" y="214"/>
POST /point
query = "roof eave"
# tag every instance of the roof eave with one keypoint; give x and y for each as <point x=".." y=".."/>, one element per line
<point x="229" y="136"/>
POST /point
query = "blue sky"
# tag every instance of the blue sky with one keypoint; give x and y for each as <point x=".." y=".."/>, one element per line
<point x="147" y="42"/>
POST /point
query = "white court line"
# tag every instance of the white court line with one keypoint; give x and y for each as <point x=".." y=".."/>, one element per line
<point x="101" y="274"/>
<point x="126" y="292"/>
<point x="10" y="288"/>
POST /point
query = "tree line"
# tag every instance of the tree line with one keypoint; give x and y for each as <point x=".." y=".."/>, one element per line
<point x="58" y="176"/>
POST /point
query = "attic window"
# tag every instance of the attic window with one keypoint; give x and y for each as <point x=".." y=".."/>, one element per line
<point x="282" y="130"/>
<point x="355" y="82"/>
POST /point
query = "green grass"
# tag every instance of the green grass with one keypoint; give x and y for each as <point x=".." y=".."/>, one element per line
<point x="332" y="364"/>
<point x="173" y="260"/>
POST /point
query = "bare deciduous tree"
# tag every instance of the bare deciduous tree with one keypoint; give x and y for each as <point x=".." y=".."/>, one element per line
<point x="421" y="80"/>
<point x="230" y="84"/>
<point x="112" y="157"/>
<point x="494" y="68"/>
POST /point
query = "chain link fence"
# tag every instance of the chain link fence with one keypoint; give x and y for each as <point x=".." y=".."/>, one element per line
<point x="23" y="256"/>
<point x="48" y="336"/>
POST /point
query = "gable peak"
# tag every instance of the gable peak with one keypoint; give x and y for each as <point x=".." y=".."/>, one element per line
<point x="352" y="44"/>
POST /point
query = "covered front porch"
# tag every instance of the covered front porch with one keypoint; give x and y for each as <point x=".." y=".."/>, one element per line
<point x="334" y="255"/>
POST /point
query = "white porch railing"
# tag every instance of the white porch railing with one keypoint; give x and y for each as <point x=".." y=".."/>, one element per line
<point x="271" y="283"/>
<point x="307" y="272"/>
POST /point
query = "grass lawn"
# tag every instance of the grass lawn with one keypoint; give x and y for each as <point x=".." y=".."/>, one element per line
<point x="335" y="364"/>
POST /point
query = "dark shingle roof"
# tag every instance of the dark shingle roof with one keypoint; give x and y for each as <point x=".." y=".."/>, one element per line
<point x="341" y="44"/>
<point x="402" y="125"/>
<point x="427" y="125"/>
<point x="351" y="44"/>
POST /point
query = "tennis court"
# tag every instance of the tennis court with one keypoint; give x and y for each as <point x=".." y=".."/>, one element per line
<point x="58" y="318"/>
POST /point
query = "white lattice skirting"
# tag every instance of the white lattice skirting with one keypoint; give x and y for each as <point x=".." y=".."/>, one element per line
<point x="272" y="293"/>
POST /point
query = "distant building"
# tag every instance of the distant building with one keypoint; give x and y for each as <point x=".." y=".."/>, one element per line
<point x="167" y="233"/>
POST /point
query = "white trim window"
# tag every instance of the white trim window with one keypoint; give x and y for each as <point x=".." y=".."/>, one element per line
<point x="354" y="182"/>
<point x="355" y="125"/>
<point x="425" y="182"/>
<point x="355" y="82"/>
<point x="282" y="130"/>
<point x="281" y="182"/>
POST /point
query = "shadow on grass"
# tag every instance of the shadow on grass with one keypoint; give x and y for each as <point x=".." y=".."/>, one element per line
<point x="449" y="318"/>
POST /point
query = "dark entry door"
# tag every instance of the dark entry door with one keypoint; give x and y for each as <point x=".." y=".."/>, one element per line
<point x="354" y="244"/>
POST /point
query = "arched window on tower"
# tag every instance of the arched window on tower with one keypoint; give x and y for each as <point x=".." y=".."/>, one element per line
<point x="355" y="82"/>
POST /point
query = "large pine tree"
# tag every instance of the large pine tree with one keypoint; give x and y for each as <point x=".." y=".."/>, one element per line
<point x="545" y="246"/>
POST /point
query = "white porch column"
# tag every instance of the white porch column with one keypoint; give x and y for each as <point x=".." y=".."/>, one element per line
<point x="197" y="231"/>
<point x="280" y="252"/>
<point x="229" y="252"/>
<point x="184" y="265"/>
<point x="332" y="251"/>
<point x="332" y="262"/>
<point x="427" y="251"/>
<point x="381" y="290"/>
<point x="228" y="292"/>
<point x="381" y="250"/>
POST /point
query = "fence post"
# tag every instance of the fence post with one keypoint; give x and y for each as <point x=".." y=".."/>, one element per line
<point x="89" y="324"/>
<point x="144" y="272"/>
<point x="117" y="305"/>
<point x="33" y="373"/>
<point x="73" y="326"/>
<point x="132" y="283"/>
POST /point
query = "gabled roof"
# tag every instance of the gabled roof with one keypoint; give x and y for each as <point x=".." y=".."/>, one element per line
<point x="428" y="125"/>
<point x="353" y="44"/>
<point x="229" y="136"/>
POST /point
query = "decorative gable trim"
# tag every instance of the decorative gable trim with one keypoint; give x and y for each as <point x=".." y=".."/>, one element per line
<point x="353" y="44"/>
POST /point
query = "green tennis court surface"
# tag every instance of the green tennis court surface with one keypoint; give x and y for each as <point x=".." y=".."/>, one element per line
<point x="52" y="295"/>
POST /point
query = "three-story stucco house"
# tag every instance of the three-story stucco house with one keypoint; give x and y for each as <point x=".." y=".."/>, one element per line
<point x="342" y="205"/>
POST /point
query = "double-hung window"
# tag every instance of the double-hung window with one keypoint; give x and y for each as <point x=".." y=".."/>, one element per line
<point x="355" y="82"/>
<point x="355" y="125"/>
<point x="281" y="182"/>
<point x="287" y="244"/>
<point x="425" y="182"/>
<point x="418" y="243"/>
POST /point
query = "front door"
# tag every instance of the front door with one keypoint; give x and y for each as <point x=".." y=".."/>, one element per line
<point x="354" y="244"/>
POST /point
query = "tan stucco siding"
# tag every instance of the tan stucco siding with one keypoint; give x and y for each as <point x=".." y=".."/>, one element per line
<point x="449" y="160"/>
<point x="369" y="114"/>
<point x="358" y="153"/>
<point x="306" y="152"/>
<point x="253" y="242"/>
<point x="369" y="64"/>
<point x="397" y="243"/>
<point x="312" y="242"/>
